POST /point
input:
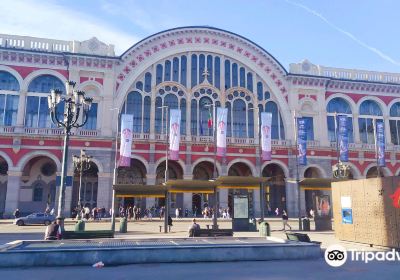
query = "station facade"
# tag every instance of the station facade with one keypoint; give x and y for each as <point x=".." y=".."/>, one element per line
<point x="188" y="68"/>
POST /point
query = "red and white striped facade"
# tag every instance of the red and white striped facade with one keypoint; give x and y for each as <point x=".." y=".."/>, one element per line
<point x="306" y="89"/>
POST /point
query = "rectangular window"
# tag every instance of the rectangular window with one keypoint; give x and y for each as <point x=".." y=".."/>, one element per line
<point x="91" y="123"/>
<point x="309" y="128"/>
<point x="31" y="111"/>
<point x="2" y="108"/>
<point x="37" y="194"/>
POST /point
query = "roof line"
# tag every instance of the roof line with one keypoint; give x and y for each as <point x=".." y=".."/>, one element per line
<point x="206" y="27"/>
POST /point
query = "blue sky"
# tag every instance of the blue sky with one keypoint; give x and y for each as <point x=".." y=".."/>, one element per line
<point x="338" y="33"/>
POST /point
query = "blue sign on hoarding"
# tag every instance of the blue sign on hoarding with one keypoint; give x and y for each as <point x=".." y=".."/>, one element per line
<point x="302" y="141"/>
<point x="343" y="138"/>
<point x="380" y="139"/>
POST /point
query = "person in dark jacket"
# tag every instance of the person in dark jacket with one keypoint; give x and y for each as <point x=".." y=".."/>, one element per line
<point x="53" y="231"/>
<point x="17" y="214"/>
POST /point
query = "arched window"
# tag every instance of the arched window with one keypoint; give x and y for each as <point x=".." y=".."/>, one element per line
<point x="239" y="119"/>
<point x="394" y="121"/>
<point x="260" y="91"/>
<point x="202" y="67"/>
<point x="277" y="128"/>
<point x="229" y="118"/>
<point x="147" y="82"/>
<point x="340" y="107"/>
<point x="175" y="69"/>
<point x="205" y="112"/>
<point x="183" y="69"/>
<point x="234" y="75"/>
<point x="183" y="116"/>
<point x="217" y="72"/>
<point x="158" y="115"/>
<point x="36" y="109"/>
<point x="193" y="117"/>
<point x="210" y="68"/>
<point x="369" y="113"/>
<point x="242" y="77"/>
<point x="250" y="82"/>
<point x="167" y="74"/>
<point x="146" y="114"/>
<point x="194" y="70"/>
<point x="159" y="74"/>
<point x="8" y="82"/>
<point x="139" y="85"/>
<point x="250" y="118"/>
<point x="45" y="83"/>
<point x="91" y="123"/>
<point x="227" y="74"/>
<point x="134" y="107"/>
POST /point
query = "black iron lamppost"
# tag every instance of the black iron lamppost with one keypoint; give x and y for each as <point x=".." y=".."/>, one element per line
<point x="81" y="163"/>
<point x="75" y="105"/>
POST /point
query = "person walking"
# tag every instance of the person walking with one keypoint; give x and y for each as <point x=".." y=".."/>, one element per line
<point x="17" y="214"/>
<point x="285" y="219"/>
<point x="193" y="228"/>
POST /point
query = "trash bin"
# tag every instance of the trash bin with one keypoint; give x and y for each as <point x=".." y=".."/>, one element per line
<point x="123" y="225"/>
<point x="264" y="229"/>
<point x="80" y="225"/>
<point x="306" y="224"/>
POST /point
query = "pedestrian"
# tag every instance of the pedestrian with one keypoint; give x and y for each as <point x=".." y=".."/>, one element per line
<point x="311" y="213"/>
<point x="17" y="214"/>
<point x="169" y="223"/>
<point x="53" y="231"/>
<point x="177" y="213"/>
<point x="193" y="228"/>
<point x="285" y="219"/>
<point x="277" y="211"/>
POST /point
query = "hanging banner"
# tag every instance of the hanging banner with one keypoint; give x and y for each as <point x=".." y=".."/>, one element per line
<point x="174" y="133"/>
<point x="266" y="120"/>
<point x="222" y="116"/>
<point x="343" y="138"/>
<point x="302" y="141"/>
<point x="380" y="141"/>
<point x="126" y="140"/>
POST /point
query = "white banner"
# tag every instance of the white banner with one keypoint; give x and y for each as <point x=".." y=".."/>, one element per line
<point x="174" y="133"/>
<point x="222" y="116"/>
<point x="266" y="120"/>
<point x="126" y="140"/>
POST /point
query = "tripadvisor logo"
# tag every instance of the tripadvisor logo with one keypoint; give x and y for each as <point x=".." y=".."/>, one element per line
<point x="336" y="255"/>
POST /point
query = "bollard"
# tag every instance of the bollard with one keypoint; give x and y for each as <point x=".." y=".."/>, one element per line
<point x="123" y="225"/>
<point x="80" y="225"/>
<point x="265" y="229"/>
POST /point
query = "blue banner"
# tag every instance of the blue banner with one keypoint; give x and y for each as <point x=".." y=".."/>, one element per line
<point x="380" y="142"/>
<point x="302" y="141"/>
<point x="343" y="138"/>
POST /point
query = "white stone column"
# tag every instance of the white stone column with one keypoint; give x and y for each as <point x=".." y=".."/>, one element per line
<point x="150" y="180"/>
<point x="187" y="197"/>
<point x="21" y="108"/>
<point x="291" y="198"/>
<point x="12" y="196"/>
<point x="104" y="190"/>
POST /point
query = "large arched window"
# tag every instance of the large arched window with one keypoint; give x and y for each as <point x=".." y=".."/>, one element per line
<point x="193" y="117"/>
<point x="36" y="110"/>
<point x="8" y="82"/>
<point x="239" y="119"/>
<point x="394" y="121"/>
<point x="92" y="118"/>
<point x="369" y="112"/>
<point x="338" y="106"/>
<point x="9" y="99"/>
<point x="133" y="106"/>
<point x="277" y="130"/>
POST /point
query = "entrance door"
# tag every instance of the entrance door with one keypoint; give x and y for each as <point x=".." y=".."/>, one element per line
<point x="196" y="204"/>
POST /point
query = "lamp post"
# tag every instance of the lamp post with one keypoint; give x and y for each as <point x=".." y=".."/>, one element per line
<point x="115" y="175"/>
<point x="75" y="105"/>
<point x="262" y="190"/>
<point x="297" y="170"/>
<point x="167" y="196"/>
<point x="81" y="163"/>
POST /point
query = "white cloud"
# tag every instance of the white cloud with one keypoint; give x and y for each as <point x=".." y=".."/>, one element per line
<point x="48" y="20"/>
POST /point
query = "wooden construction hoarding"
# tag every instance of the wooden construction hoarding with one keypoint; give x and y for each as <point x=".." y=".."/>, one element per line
<point x="373" y="216"/>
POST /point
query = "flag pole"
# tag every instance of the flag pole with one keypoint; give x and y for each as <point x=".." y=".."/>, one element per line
<point x="115" y="173"/>
<point x="297" y="169"/>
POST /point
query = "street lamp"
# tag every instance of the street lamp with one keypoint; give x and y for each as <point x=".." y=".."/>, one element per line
<point x="75" y="102"/>
<point x="81" y="163"/>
